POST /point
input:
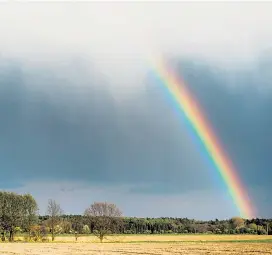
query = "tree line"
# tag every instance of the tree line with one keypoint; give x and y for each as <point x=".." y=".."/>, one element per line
<point x="133" y="225"/>
<point x="19" y="216"/>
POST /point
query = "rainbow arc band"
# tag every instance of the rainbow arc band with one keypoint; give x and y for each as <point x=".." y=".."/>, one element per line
<point x="195" y="115"/>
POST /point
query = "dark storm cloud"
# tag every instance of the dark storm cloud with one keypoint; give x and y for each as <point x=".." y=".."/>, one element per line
<point x="88" y="137"/>
<point x="239" y="106"/>
<point x="82" y="134"/>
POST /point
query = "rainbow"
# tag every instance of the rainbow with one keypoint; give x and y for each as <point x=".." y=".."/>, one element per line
<point x="199" y="123"/>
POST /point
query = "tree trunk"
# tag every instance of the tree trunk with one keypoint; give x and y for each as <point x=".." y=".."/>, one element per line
<point x="52" y="231"/>
<point x="11" y="236"/>
<point x="3" y="238"/>
<point x="53" y="236"/>
<point x="29" y="235"/>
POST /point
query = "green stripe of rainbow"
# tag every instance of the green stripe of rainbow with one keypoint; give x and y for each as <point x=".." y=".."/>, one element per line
<point x="192" y="110"/>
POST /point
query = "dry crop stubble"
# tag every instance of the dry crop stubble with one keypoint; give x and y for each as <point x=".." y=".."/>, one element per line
<point x="164" y="238"/>
<point x="136" y="249"/>
<point x="147" y="244"/>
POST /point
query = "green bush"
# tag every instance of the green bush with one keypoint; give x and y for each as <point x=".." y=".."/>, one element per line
<point x="86" y="229"/>
<point x="262" y="232"/>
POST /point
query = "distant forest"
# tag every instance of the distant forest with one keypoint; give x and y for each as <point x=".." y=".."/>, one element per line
<point x="133" y="225"/>
<point x="19" y="216"/>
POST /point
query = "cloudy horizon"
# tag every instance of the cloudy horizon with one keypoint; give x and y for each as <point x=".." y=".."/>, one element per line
<point x="84" y="120"/>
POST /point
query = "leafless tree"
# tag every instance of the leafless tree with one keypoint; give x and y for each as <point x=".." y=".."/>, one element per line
<point x="105" y="218"/>
<point x="54" y="211"/>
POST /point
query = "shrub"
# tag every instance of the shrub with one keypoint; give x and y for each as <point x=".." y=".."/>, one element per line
<point x="232" y="231"/>
<point x="86" y="229"/>
<point x="147" y="231"/>
<point x="262" y="232"/>
<point x="38" y="233"/>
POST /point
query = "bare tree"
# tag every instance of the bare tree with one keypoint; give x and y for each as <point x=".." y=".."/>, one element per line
<point x="54" y="211"/>
<point x="104" y="217"/>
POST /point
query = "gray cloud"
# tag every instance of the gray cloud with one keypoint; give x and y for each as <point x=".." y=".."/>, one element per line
<point x="88" y="137"/>
<point x="121" y="37"/>
<point x="241" y="116"/>
<point x="77" y="101"/>
<point x="132" y="204"/>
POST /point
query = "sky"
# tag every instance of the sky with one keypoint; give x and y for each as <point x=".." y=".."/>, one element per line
<point x="83" y="119"/>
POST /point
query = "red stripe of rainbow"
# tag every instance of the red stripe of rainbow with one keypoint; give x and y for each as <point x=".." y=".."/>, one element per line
<point x="204" y="131"/>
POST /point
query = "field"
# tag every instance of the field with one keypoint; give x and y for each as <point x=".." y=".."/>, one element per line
<point x="147" y="244"/>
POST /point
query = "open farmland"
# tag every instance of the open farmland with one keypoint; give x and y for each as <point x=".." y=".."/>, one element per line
<point x="144" y="244"/>
<point x="133" y="248"/>
<point x="169" y="238"/>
